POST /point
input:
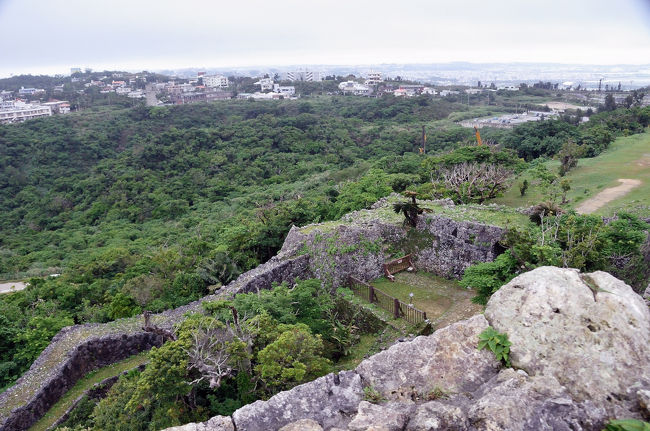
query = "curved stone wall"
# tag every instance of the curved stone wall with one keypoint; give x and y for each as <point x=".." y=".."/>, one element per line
<point x="90" y="355"/>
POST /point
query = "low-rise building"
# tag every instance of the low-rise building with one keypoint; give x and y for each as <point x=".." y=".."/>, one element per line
<point x="215" y="81"/>
<point x="123" y="90"/>
<point x="352" y="87"/>
<point x="444" y="93"/>
<point x="265" y="84"/>
<point x="30" y="91"/>
<point x="18" y="111"/>
<point x="286" y="90"/>
<point x="58" y="106"/>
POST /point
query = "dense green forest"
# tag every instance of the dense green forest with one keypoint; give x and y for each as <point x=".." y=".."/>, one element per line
<point x="150" y="208"/>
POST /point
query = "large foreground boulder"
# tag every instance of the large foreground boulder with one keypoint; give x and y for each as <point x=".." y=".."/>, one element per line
<point x="590" y="332"/>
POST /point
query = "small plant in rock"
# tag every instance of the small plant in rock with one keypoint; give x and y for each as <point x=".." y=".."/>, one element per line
<point x="627" y="425"/>
<point x="498" y="343"/>
<point x="437" y="393"/>
<point x="372" y="395"/>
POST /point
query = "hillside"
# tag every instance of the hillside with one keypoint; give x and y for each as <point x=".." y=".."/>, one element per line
<point x="154" y="208"/>
<point x="628" y="157"/>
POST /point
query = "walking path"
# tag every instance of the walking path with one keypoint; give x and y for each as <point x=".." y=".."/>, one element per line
<point x="607" y="195"/>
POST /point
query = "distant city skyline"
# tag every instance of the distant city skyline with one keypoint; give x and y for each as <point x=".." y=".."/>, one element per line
<point x="50" y="36"/>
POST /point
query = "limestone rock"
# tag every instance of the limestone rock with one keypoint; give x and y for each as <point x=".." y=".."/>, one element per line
<point x="302" y="425"/>
<point x="448" y="359"/>
<point x="330" y="400"/>
<point x="217" y="423"/>
<point x="435" y="415"/>
<point x="590" y="332"/>
<point x="517" y="402"/>
<point x="644" y="400"/>
<point x="389" y="417"/>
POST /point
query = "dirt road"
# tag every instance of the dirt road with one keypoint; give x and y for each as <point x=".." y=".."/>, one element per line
<point x="607" y="195"/>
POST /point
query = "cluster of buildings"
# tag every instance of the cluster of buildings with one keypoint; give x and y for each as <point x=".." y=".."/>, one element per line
<point x="202" y="88"/>
<point x="270" y="90"/>
<point x="16" y="111"/>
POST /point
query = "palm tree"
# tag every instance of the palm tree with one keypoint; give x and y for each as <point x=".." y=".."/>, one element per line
<point x="411" y="210"/>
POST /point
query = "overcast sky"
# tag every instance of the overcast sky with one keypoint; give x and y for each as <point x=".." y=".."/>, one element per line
<point x="48" y="36"/>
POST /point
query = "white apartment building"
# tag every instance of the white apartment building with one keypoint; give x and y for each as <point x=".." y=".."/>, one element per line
<point x="304" y="75"/>
<point x="374" y="78"/>
<point x="16" y="112"/>
<point x="215" y="81"/>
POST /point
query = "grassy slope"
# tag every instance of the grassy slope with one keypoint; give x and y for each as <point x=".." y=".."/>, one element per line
<point x="627" y="157"/>
<point x="83" y="385"/>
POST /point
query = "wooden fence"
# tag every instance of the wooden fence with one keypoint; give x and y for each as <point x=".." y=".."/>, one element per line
<point x="391" y="304"/>
<point x="397" y="265"/>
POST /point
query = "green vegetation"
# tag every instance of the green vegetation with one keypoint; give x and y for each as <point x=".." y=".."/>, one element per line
<point x="372" y="395"/>
<point x="233" y="353"/>
<point x="627" y="425"/>
<point x="83" y="385"/>
<point x="152" y="208"/>
<point x="497" y="343"/>
<point x="570" y="241"/>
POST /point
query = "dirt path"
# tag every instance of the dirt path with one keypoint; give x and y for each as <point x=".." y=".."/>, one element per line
<point x="607" y="195"/>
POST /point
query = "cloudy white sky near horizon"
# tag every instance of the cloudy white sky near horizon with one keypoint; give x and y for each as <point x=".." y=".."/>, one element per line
<point x="50" y="36"/>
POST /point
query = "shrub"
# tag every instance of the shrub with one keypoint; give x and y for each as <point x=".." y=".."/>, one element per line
<point x="487" y="277"/>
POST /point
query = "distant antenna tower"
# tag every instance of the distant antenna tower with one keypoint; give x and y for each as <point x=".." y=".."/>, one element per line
<point x="600" y="84"/>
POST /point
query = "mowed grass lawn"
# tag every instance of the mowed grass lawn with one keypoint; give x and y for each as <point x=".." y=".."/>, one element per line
<point x="627" y="157"/>
<point x="444" y="301"/>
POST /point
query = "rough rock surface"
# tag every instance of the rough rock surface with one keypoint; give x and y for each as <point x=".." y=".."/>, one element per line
<point x="436" y="415"/>
<point x="447" y="360"/>
<point x="456" y="245"/>
<point x="391" y="417"/>
<point x="217" y="423"/>
<point x="329" y="400"/>
<point x="302" y="425"/>
<point x="590" y="332"/>
<point x="548" y="405"/>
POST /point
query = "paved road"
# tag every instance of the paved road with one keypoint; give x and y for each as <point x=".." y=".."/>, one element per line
<point x="12" y="286"/>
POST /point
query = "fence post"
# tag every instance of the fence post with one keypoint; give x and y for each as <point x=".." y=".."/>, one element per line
<point x="424" y="315"/>
<point x="371" y="294"/>
<point x="396" y="307"/>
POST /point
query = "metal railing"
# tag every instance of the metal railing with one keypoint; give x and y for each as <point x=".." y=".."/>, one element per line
<point x="389" y="303"/>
